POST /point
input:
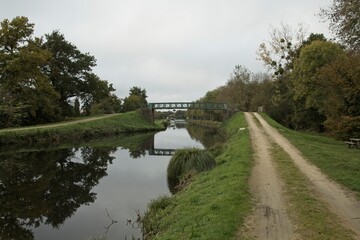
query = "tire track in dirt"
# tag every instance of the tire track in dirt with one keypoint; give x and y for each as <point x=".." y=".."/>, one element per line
<point x="342" y="202"/>
<point x="269" y="219"/>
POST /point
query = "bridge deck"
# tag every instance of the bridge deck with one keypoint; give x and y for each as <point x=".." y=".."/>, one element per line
<point x="188" y="105"/>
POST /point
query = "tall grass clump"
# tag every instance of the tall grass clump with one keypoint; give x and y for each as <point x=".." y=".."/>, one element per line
<point x="187" y="160"/>
<point x="185" y="164"/>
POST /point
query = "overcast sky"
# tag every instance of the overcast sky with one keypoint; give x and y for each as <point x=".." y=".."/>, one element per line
<point x="176" y="49"/>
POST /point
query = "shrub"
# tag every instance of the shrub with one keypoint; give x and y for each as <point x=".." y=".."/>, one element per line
<point x="344" y="127"/>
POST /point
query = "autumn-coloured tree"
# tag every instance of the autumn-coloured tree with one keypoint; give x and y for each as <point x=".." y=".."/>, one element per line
<point x="27" y="96"/>
<point x="340" y="84"/>
<point x="304" y="77"/>
<point x="307" y="92"/>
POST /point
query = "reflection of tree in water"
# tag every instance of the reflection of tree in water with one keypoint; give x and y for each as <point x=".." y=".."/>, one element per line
<point x="138" y="144"/>
<point x="47" y="187"/>
<point x="206" y="135"/>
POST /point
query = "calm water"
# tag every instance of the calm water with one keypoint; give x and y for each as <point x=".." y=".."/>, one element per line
<point x="85" y="192"/>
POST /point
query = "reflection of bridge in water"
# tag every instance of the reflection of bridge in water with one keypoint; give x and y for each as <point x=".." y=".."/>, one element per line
<point x="177" y="123"/>
<point x="162" y="152"/>
<point x="152" y="150"/>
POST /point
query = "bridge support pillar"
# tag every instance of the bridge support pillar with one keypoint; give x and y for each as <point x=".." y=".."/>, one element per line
<point x="153" y="115"/>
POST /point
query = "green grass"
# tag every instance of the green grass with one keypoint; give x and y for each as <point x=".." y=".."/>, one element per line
<point x="340" y="163"/>
<point x="83" y="131"/>
<point x="312" y="218"/>
<point x="216" y="202"/>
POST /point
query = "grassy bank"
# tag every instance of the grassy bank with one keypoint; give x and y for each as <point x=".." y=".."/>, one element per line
<point x="312" y="218"/>
<point x="331" y="156"/>
<point x="79" y="131"/>
<point x="216" y="202"/>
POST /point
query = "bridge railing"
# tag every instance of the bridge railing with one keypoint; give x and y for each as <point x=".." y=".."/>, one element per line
<point x="188" y="105"/>
<point x="162" y="152"/>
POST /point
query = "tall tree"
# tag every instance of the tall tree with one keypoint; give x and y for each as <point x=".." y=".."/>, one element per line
<point x="340" y="84"/>
<point x="238" y="84"/>
<point x="312" y="58"/>
<point x="23" y="85"/>
<point x="308" y="93"/>
<point x="278" y="55"/>
<point x="344" y="16"/>
<point x="68" y="70"/>
<point x="135" y="100"/>
<point x="279" y="52"/>
<point x="97" y="97"/>
<point x="93" y="91"/>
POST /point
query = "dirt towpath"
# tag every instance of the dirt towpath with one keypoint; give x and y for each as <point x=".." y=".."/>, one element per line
<point x="341" y="201"/>
<point x="60" y="124"/>
<point x="269" y="219"/>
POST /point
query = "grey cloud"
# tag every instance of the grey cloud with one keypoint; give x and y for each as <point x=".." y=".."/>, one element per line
<point x="176" y="49"/>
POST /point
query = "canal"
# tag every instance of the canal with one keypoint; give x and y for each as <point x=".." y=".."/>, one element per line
<point x="91" y="191"/>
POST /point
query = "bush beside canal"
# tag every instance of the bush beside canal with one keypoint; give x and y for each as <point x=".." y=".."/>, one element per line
<point x="129" y="122"/>
<point x="215" y="203"/>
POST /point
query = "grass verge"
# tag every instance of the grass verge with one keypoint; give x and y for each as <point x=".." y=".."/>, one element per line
<point x="216" y="202"/>
<point x="340" y="163"/>
<point x="82" y="131"/>
<point x="312" y="217"/>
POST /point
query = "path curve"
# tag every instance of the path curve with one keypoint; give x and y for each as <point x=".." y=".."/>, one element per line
<point x="269" y="219"/>
<point x="59" y="124"/>
<point x="341" y="201"/>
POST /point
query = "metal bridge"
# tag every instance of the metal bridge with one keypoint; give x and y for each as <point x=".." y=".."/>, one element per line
<point x="188" y="105"/>
<point x="161" y="151"/>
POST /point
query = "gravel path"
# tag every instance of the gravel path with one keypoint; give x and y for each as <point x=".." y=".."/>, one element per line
<point x="341" y="201"/>
<point x="269" y="219"/>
